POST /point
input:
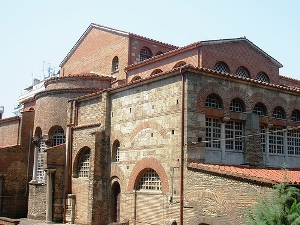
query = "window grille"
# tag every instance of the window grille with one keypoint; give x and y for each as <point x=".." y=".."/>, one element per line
<point x="58" y="137"/>
<point x="242" y="72"/>
<point x="221" y="67"/>
<point x="262" y="77"/>
<point x="116" y="152"/>
<point x="278" y="113"/>
<point x="295" y="116"/>
<point x="212" y="102"/>
<point x="276" y="144"/>
<point x="84" y="165"/>
<point x="115" y="64"/>
<point x="259" y="110"/>
<point x="145" y="53"/>
<point x="293" y="142"/>
<point x="213" y="132"/>
<point x="233" y="134"/>
<point x="150" y="181"/>
<point x="236" y="106"/>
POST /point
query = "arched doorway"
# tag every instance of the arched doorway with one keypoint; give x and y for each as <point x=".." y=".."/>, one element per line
<point x="115" y="202"/>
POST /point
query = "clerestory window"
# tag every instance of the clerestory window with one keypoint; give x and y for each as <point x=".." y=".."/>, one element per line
<point x="221" y="67"/>
<point x="145" y="53"/>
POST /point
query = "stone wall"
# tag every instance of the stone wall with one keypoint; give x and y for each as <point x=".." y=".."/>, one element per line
<point x="214" y="199"/>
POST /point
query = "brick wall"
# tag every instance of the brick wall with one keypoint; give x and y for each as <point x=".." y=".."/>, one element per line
<point x="137" y="43"/>
<point x="13" y="167"/>
<point x="238" y="54"/>
<point x="96" y="52"/>
<point x="9" y="131"/>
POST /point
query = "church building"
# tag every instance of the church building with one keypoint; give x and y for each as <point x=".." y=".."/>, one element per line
<point x="136" y="131"/>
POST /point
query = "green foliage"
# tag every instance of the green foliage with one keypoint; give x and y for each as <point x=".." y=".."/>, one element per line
<point x="281" y="208"/>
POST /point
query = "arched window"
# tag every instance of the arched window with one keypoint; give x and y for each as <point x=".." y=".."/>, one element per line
<point x="236" y="105"/>
<point x="116" y="151"/>
<point x="295" y="115"/>
<point x="213" y="101"/>
<point x="157" y="71"/>
<point x="115" y="64"/>
<point x="58" y="137"/>
<point x="136" y="78"/>
<point x="145" y="53"/>
<point x="84" y="164"/>
<point x="242" y="72"/>
<point x="260" y="109"/>
<point x="278" y="113"/>
<point x="179" y="64"/>
<point x="149" y="181"/>
<point x="263" y="77"/>
<point x="221" y="67"/>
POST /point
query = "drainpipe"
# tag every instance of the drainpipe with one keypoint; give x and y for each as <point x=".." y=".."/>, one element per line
<point x="182" y="145"/>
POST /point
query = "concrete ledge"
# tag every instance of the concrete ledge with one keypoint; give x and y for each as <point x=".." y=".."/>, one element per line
<point x="8" y="221"/>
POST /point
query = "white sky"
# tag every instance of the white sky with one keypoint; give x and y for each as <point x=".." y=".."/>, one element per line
<point x="40" y="32"/>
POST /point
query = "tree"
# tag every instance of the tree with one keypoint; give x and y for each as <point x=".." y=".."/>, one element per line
<point x="281" y="208"/>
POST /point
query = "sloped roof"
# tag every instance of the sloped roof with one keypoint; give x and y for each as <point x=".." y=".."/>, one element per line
<point x="202" y="43"/>
<point x="242" y="39"/>
<point x="260" y="175"/>
<point x="109" y="29"/>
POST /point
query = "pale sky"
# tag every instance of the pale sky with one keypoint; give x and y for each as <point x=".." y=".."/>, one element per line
<point x="40" y="32"/>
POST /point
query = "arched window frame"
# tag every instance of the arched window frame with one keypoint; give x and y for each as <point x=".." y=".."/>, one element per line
<point x="279" y="113"/>
<point x="115" y="151"/>
<point x="213" y="101"/>
<point x="295" y="115"/>
<point x="263" y="77"/>
<point x="260" y="109"/>
<point x="149" y="180"/>
<point x="115" y="64"/>
<point x="83" y="166"/>
<point x="136" y="78"/>
<point x="145" y="53"/>
<point x="179" y="64"/>
<point x="221" y="67"/>
<point x="58" y="137"/>
<point x="242" y="72"/>
<point x="237" y="105"/>
<point x="156" y="71"/>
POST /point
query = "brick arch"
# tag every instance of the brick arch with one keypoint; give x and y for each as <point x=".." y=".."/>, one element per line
<point x="144" y="164"/>
<point x="77" y="158"/>
<point x="262" y="98"/>
<point x="238" y="93"/>
<point x="293" y="105"/>
<point x="211" y="88"/>
<point x="278" y="101"/>
<point x="117" y="173"/>
<point x="148" y="124"/>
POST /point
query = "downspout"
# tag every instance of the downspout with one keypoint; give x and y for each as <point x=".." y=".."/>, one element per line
<point x="182" y="145"/>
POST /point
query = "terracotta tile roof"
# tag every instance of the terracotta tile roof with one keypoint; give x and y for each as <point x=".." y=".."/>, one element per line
<point x="260" y="175"/>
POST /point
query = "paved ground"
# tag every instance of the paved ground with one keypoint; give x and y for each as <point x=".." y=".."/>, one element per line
<point x="25" y="221"/>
